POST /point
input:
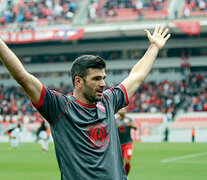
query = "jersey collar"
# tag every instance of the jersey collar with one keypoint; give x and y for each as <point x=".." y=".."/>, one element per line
<point x="82" y="104"/>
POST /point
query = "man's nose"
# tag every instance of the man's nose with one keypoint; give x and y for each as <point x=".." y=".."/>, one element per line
<point x="103" y="84"/>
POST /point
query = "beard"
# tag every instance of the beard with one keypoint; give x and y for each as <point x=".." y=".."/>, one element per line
<point x="90" y="94"/>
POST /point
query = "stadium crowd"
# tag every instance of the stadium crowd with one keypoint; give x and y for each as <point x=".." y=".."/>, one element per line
<point x="136" y="4"/>
<point x="197" y="5"/>
<point x="195" y="8"/>
<point x="28" y="11"/>
<point x="108" y="8"/>
<point x="189" y="94"/>
<point x="51" y="11"/>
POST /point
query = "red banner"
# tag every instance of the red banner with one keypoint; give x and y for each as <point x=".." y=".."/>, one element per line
<point x="41" y="35"/>
<point x="189" y="27"/>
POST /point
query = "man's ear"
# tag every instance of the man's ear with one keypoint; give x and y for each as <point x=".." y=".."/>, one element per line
<point x="78" y="81"/>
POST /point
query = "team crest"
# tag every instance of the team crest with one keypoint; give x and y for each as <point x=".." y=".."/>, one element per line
<point x="98" y="135"/>
<point x="101" y="106"/>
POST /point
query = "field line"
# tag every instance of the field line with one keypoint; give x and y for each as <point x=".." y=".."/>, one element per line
<point x="183" y="157"/>
<point x="190" y="162"/>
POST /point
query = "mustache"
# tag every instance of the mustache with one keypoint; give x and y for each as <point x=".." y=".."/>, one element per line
<point x="100" y="89"/>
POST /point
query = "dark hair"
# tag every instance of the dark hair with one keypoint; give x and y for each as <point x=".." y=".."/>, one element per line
<point x="81" y="65"/>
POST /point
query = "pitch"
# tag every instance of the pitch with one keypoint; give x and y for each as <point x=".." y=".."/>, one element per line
<point x="150" y="161"/>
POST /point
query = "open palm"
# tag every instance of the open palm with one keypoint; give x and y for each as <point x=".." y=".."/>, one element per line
<point x="159" y="37"/>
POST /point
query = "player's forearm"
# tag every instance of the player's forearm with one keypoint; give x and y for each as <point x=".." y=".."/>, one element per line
<point x="11" y="62"/>
<point x="132" y="126"/>
<point x="140" y="71"/>
<point x="143" y="67"/>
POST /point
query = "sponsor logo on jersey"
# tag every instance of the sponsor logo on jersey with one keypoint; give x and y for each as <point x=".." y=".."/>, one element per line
<point x="101" y="106"/>
<point x="122" y="129"/>
<point x="98" y="135"/>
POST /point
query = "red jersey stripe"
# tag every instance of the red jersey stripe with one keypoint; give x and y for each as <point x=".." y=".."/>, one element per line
<point x="39" y="104"/>
<point x="125" y="92"/>
<point x="62" y="112"/>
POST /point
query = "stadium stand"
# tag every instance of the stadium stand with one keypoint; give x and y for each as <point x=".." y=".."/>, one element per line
<point x="190" y="121"/>
<point x="129" y="10"/>
<point x="165" y="96"/>
<point x="53" y="12"/>
<point x="27" y="14"/>
<point x="181" y="129"/>
<point x="146" y="122"/>
<point x="156" y="10"/>
<point x="194" y="8"/>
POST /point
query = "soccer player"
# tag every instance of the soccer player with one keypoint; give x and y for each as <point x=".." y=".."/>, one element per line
<point x="14" y="134"/>
<point x="43" y="134"/>
<point x="83" y="125"/>
<point x="124" y="125"/>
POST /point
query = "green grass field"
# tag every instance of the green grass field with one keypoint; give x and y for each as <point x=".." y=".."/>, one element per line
<point x="150" y="161"/>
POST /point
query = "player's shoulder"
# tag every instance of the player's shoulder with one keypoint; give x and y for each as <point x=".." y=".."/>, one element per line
<point x="113" y="89"/>
<point x="59" y="94"/>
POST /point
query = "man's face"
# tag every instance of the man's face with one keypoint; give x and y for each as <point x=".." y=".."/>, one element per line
<point x="94" y="84"/>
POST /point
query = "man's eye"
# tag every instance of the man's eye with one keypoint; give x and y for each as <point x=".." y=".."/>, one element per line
<point x="97" y="78"/>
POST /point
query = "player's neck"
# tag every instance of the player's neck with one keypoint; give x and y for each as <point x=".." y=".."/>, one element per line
<point x="81" y="98"/>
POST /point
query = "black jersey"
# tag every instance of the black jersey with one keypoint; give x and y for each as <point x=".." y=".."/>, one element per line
<point x="85" y="137"/>
<point x="124" y="130"/>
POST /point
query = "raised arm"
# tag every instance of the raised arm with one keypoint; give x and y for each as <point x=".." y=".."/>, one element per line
<point x="30" y="84"/>
<point x="140" y="71"/>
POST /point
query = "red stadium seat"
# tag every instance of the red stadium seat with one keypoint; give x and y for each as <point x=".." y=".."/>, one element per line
<point x="190" y="122"/>
<point x="126" y="14"/>
<point x="42" y="22"/>
<point x="150" y="121"/>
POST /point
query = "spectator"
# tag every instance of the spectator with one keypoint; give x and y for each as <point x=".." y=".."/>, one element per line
<point x="193" y="134"/>
<point x="166" y="133"/>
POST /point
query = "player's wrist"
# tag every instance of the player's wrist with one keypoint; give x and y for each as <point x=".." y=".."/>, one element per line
<point x="154" y="47"/>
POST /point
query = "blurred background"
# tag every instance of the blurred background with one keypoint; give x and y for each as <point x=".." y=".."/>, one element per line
<point x="47" y="35"/>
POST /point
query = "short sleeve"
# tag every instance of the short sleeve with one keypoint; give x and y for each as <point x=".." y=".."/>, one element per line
<point x="118" y="97"/>
<point x="51" y="104"/>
